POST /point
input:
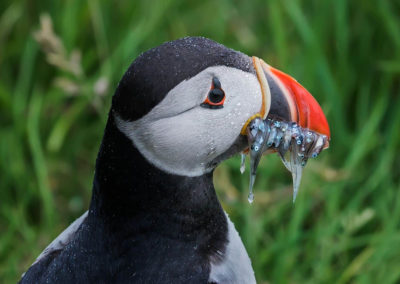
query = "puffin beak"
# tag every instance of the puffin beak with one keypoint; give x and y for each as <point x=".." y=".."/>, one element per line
<point x="286" y="100"/>
<point x="290" y="122"/>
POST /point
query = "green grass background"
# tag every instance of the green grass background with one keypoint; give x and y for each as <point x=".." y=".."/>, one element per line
<point x="56" y="87"/>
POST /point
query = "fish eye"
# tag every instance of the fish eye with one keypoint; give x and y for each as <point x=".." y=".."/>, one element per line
<point x="216" y="96"/>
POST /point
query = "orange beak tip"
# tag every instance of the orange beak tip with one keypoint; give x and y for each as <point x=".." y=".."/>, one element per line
<point x="309" y="112"/>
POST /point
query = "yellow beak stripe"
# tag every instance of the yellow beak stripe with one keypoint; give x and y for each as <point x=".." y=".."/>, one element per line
<point x="265" y="92"/>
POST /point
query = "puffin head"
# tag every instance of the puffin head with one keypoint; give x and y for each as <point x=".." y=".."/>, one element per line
<point x="185" y="104"/>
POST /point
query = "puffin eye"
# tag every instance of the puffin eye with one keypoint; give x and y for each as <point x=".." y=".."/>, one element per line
<point x="216" y="96"/>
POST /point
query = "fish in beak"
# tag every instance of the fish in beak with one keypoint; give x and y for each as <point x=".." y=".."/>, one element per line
<point x="290" y="122"/>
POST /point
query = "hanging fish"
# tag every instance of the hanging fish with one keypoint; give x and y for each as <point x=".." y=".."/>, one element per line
<point x="294" y="144"/>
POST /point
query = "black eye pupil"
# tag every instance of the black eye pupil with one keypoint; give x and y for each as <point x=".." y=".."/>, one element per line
<point x="216" y="95"/>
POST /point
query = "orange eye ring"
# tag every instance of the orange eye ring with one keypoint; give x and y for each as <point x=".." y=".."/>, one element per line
<point x="216" y="96"/>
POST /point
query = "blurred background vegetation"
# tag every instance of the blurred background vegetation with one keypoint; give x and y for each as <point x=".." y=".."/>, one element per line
<point x="61" y="60"/>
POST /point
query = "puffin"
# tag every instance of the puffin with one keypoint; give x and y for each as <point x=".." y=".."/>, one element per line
<point x="154" y="216"/>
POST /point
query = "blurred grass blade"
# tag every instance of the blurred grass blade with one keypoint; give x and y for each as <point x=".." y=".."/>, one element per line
<point x="36" y="150"/>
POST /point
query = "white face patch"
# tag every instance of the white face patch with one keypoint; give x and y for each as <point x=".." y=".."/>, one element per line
<point x="181" y="137"/>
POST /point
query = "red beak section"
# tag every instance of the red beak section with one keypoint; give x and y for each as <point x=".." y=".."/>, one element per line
<point x="309" y="112"/>
<point x="287" y="93"/>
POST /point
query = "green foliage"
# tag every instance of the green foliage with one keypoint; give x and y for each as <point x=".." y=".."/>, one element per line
<point x="61" y="60"/>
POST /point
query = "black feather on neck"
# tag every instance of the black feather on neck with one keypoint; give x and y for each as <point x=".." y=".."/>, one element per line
<point x="136" y="200"/>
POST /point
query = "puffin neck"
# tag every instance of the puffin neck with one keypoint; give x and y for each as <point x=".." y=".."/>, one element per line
<point x="126" y="185"/>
